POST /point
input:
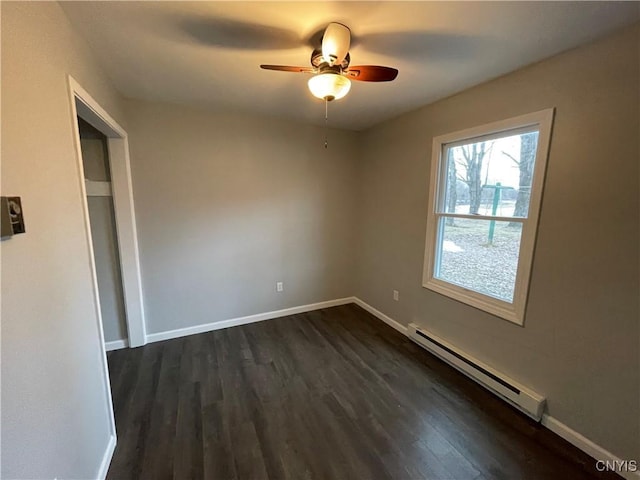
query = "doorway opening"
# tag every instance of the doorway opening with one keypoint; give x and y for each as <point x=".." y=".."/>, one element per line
<point x="105" y="179"/>
<point x="106" y="255"/>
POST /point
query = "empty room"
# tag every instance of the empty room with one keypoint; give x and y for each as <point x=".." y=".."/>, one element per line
<point x="320" y="240"/>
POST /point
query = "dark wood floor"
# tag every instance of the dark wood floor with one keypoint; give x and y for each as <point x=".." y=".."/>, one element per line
<point x="331" y="394"/>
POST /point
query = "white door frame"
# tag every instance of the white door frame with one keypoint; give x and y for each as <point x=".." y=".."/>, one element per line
<point x="85" y="107"/>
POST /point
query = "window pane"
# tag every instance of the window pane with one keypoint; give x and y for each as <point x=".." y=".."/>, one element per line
<point x="480" y="255"/>
<point x="491" y="177"/>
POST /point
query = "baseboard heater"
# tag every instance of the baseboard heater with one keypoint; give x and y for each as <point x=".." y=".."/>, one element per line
<point x="520" y="397"/>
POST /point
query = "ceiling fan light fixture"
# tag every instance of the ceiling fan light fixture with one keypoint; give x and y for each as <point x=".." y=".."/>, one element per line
<point x="329" y="86"/>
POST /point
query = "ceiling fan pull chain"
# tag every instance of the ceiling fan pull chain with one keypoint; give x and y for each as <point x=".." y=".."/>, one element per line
<point x="326" y="122"/>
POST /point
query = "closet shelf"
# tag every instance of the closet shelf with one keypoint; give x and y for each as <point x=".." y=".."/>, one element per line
<point x="97" y="189"/>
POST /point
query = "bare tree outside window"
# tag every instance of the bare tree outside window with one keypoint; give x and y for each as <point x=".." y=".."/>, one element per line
<point x="452" y="193"/>
<point x="528" y="145"/>
<point x="471" y="160"/>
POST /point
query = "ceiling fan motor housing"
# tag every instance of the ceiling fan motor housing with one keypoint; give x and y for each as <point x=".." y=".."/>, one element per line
<point x="317" y="60"/>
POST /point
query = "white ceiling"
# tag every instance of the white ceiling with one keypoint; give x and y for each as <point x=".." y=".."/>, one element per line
<point x="208" y="53"/>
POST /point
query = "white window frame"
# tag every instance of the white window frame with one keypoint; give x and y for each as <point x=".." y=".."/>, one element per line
<point x="513" y="312"/>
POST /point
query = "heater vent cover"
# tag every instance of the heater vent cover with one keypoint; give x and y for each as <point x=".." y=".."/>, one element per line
<point x="517" y="395"/>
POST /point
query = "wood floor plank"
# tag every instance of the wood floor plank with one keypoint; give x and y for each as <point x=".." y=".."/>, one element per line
<point x="218" y="459"/>
<point x="329" y="394"/>
<point x="136" y="413"/>
<point x="158" y="460"/>
<point x="188" y="460"/>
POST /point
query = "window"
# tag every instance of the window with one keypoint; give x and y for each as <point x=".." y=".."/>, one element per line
<point x="485" y="191"/>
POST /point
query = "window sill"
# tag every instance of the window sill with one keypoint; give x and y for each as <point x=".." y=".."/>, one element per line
<point x="504" y="310"/>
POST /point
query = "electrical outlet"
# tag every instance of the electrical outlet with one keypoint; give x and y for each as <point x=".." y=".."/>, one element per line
<point x="279" y="287"/>
<point x="396" y="295"/>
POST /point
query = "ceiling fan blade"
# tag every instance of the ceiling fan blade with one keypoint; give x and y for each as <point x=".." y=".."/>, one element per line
<point x="371" y="73"/>
<point x="288" y="68"/>
<point x="335" y="43"/>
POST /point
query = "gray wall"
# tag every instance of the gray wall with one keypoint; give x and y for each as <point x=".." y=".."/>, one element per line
<point x="55" y="416"/>
<point x="579" y="345"/>
<point x="95" y="162"/>
<point x="228" y="204"/>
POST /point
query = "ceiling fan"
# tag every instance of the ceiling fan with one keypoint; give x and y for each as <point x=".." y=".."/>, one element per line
<point x="331" y="68"/>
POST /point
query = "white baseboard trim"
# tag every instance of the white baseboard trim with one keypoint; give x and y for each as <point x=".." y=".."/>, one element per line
<point x="234" y="322"/>
<point x="116" y="345"/>
<point x="584" y="444"/>
<point x="106" y="459"/>
<point x="377" y="313"/>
